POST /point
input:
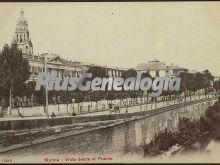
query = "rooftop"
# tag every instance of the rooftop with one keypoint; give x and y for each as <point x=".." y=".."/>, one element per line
<point x="157" y="65"/>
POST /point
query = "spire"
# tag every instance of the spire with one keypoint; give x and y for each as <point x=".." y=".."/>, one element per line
<point x="21" y="20"/>
<point x="22" y="13"/>
<point x="14" y="41"/>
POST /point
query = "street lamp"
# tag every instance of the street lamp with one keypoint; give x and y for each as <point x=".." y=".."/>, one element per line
<point x="46" y="85"/>
<point x="73" y="101"/>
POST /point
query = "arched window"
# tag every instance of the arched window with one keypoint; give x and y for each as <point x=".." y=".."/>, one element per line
<point x="20" y="38"/>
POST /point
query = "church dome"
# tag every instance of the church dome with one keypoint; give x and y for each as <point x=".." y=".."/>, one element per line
<point x="22" y="19"/>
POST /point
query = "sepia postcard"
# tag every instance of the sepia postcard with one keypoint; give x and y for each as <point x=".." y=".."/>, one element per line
<point x="101" y="82"/>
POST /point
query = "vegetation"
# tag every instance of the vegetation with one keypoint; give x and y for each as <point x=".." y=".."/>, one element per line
<point x="216" y="85"/>
<point x="188" y="131"/>
<point x="14" y="71"/>
<point x="191" y="82"/>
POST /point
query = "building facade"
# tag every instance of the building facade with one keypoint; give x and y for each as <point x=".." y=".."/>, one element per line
<point x="157" y="68"/>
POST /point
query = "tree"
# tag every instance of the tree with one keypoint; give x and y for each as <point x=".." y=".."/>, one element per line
<point x="133" y="73"/>
<point x="216" y="85"/>
<point x="208" y="75"/>
<point x="101" y="72"/>
<point x="97" y="71"/>
<point x="188" y="83"/>
<point x="146" y="74"/>
<point x="193" y="82"/>
<point x="14" y="69"/>
<point x="129" y="73"/>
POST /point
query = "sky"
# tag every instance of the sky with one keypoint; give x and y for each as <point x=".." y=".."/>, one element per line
<point x="122" y="34"/>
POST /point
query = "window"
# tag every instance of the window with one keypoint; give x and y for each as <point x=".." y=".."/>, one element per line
<point x="34" y="70"/>
<point x="20" y="38"/>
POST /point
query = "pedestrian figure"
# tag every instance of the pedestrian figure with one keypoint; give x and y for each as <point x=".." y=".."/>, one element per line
<point x="73" y="114"/>
<point x="1" y="113"/>
<point x="67" y="107"/>
<point x="53" y="115"/>
<point x="110" y="105"/>
<point x="96" y="105"/>
<point x="19" y="112"/>
<point x="8" y="111"/>
<point x="58" y="106"/>
<point x="44" y="108"/>
<point x="117" y="108"/>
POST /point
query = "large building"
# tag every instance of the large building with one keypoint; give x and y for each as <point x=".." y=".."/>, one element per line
<point x="64" y="67"/>
<point x="160" y="69"/>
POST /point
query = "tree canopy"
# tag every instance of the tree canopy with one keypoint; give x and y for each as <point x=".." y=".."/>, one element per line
<point x="194" y="82"/>
<point x="216" y="85"/>
<point x="14" y="69"/>
<point x="97" y="71"/>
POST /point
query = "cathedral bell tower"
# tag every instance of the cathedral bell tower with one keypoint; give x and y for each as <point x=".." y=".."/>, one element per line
<point x="21" y="37"/>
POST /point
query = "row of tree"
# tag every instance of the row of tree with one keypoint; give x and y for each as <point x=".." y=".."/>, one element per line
<point x="192" y="82"/>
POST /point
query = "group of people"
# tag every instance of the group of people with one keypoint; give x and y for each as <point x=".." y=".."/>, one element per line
<point x="114" y="107"/>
